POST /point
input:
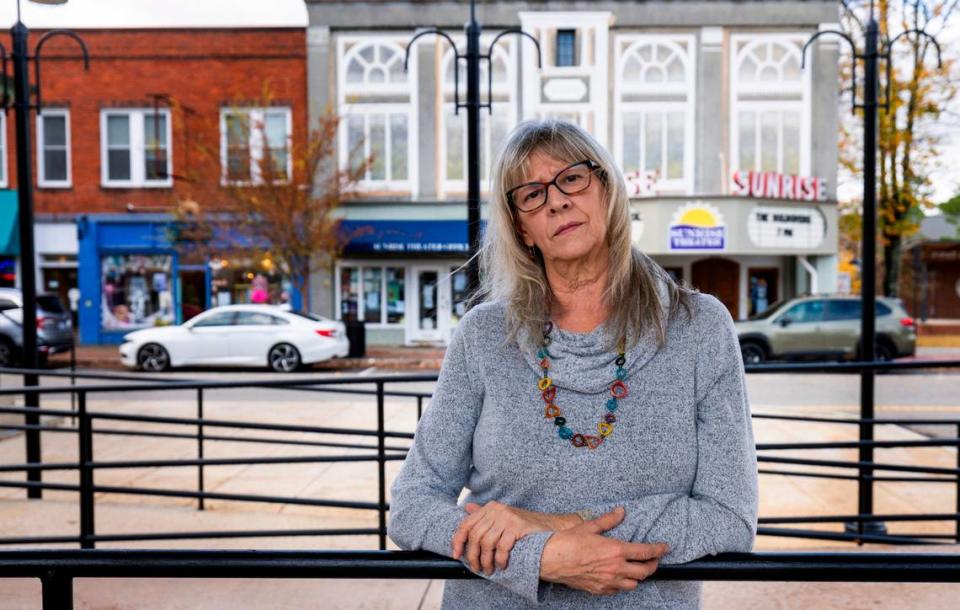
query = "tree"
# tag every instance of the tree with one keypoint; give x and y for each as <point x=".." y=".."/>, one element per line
<point x="908" y="138"/>
<point x="275" y="202"/>
<point x="951" y="210"/>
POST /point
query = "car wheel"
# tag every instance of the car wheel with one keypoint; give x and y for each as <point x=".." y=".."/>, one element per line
<point x="753" y="353"/>
<point x="882" y="352"/>
<point x="153" y="357"/>
<point x="283" y="358"/>
<point x="8" y="353"/>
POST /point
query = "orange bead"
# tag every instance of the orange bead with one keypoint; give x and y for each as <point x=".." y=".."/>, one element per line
<point x="551" y="411"/>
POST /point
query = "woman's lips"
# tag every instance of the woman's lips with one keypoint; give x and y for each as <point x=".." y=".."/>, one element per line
<point x="567" y="228"/>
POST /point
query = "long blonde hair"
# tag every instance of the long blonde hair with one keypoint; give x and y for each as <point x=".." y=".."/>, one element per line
<point x="509" y="273"/>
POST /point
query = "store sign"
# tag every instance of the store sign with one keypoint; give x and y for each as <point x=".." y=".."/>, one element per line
<point x="771" y="185"/>
<point x="697" y="226"/>
<point x="797" y="228"/>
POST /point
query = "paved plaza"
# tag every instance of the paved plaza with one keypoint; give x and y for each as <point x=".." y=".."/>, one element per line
<point x="57" y="514"/>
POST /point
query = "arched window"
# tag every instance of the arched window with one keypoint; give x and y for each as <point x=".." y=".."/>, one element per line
<point x="653" y="129"/>
<point x="377" y="107"/>
<point x="493" y="127"/>
<point x="768" y="90"/>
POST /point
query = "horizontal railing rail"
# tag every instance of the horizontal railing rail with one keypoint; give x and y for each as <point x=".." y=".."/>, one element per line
<point x="57" y="570"/>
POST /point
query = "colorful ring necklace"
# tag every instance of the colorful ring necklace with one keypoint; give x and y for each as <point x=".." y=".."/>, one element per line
<point x="548" y="391"/>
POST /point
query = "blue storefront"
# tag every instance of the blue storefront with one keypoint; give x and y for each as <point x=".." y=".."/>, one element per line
<point x="131" y="276"/>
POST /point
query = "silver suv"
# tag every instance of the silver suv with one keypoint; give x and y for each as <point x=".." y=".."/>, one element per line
<point x="54" y="326"/>
<point x="825" y="327"/>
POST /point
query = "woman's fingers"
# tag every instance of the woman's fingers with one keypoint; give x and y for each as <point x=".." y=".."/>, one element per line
<point x="640" y="570"/>
<point x="488" y="546"/>
<point x="604" y="522"/>
<point x="477" y="533"/>
<point x="463" y="532"/>
<point x="639" y="551"/>
<point x="504" y="546"/>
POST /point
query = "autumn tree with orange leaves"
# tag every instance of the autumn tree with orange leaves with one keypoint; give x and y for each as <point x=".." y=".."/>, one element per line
<point x="282" y="209"/>
<point x="908" y="136"/>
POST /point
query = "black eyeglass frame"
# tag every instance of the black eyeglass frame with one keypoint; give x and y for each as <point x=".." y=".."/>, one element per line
<point x="592" y="165"/>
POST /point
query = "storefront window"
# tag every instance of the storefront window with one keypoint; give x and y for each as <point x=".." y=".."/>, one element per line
<point x="247" y="281"/>
<point x="458" y="285"/>
<point x="349" y="293"/>
<point x="374" y="287"/>
<point x="137" y="291"/>
<point x="396" y="307"/>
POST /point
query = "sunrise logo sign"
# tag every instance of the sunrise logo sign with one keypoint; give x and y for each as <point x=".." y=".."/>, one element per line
<point x="697" y="226"/>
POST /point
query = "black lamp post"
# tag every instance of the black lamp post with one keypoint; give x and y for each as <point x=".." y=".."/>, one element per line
<point x="22" y="106"/>
<point x="473" y="105"/>
<point x="874" y="50"/>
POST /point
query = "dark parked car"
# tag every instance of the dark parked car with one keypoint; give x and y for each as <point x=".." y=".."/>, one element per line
<point x="54" y="326"/>
<point x="825" y="327"/>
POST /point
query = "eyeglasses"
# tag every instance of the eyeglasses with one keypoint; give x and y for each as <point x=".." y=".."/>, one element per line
<point x="532" y="196"/>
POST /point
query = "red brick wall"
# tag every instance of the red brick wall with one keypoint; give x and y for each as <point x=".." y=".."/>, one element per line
<point x="203" y="70"/>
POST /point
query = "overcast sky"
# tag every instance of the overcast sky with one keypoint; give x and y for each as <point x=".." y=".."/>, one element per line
<point x="249" y="13"/>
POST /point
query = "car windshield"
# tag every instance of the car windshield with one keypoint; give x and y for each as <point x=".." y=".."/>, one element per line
<point x="766" y="313"/>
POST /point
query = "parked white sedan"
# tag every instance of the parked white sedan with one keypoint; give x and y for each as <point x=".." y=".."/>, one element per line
<point x="238" y="335"/>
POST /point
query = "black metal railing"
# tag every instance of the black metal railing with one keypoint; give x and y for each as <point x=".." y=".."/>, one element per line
<point x="57" y="569"/>
<point x="389" y="445"/>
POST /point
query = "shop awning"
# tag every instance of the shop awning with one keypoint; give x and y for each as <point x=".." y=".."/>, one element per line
<point x="405" y="236"/>
<point x="9" y="231"/>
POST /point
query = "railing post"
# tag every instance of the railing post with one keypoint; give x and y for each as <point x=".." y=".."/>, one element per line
<point x="381" y="466"/>
<point x="57" y="591"/>
<point x="419" y="407"/>
<point x="957" y="499"/>
<point x="73" y="374"/>
<point x="200" y="485"/>
<point x="86" y="473"/>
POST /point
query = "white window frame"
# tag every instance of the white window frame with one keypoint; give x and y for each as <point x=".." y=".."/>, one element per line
<point x="624" y="45"/>
<point x="345" y="91"/>
<point x="506" y="49"/>
<point x="790" y="95"/>
<point x="136" y="116"/>
<point x="5" y="178"/>
<point x="360" y="265"/>
<point x="42" y="182"/>
<point x="255" y="116"/>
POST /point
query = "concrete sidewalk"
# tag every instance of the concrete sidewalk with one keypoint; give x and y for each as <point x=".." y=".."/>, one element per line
<point x="57" y="513"/>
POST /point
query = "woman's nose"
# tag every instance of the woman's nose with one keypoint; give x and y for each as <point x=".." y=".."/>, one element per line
<point x="556" y="200"/>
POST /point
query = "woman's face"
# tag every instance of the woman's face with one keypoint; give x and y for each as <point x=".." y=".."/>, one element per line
<point x="568" y="227"/>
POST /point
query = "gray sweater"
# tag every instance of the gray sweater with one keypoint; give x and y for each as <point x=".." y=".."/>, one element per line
<point x="680" y="461"/>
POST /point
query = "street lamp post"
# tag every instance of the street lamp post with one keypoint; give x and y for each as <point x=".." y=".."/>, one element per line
<point x="472" y="31"/>
<point x="22" y="105"/>
<point x="871" y="55"/>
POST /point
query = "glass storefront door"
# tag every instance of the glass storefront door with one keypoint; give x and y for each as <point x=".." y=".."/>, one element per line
<point x="439" y="294"/>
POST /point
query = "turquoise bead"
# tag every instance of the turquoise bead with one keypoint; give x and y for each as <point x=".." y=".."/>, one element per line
<point x="565" y="433"/>
<point x="621" y="373"/>
<point x="612" y="404"/>
<point x="541" y="353"/>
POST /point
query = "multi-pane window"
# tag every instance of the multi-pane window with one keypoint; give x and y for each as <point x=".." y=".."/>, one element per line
<point x="654" y="89"/>
<point x="493" y="127"/>
<point x="566" y="48"/>
<point x="769" y="104"/>
<point x="371" y="293"/>
<point x="255" y="143"/>
<point x="377" y="101"/>
<point x="135" y="148"/>
<point x="53" y="148"/>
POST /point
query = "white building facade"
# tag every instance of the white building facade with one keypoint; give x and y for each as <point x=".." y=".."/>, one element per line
<point x="727" y="137"/>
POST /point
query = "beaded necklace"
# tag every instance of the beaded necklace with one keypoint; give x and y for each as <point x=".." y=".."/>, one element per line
<point x="548" y="391"/>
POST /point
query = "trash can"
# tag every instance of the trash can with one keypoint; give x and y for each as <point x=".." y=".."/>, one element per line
<point x="357" y="336"/>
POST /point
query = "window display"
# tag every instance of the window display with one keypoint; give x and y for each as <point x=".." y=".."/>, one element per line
<point x="137" y="291"/>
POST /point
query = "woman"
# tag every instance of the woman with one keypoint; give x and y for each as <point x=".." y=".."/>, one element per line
<point x="595" y="411"/>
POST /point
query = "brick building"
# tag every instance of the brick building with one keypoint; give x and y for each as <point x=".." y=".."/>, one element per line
<point x="116" y="147"/>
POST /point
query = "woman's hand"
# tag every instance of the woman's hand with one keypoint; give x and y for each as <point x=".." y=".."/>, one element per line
<point x="582" y="558"/>
<point x="490" y="531"/>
